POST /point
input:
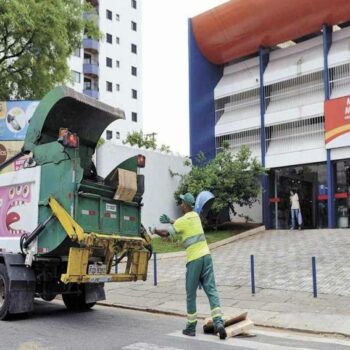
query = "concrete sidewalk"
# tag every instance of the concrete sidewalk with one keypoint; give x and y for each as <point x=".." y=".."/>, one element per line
<point x="290" y="304"/>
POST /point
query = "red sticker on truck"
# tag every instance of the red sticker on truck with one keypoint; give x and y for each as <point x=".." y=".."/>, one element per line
<point x="88" y="212"/>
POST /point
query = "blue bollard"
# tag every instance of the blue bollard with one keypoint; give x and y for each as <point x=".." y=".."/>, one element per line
<point x="116" y="264"/>
<point x="252" y="274"/>
<point x="155" y="268"/>
<point x="314" y="277"/>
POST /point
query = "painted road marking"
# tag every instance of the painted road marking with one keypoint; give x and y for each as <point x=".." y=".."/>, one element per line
<point x="302" y="337"/>
<point x="237" y="342"/>
<point x="147" y="346"/>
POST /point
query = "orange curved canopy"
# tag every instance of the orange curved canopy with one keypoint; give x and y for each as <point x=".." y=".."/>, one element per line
<point x="239" y="27"/>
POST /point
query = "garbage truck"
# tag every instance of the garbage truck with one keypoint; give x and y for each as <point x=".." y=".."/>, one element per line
<point x="62" y="226"/>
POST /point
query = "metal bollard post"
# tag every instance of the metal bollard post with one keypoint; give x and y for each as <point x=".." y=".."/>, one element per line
<point x="314" y="277"/>
<point x="252" y="274"/>
<point x="116" y="264"/>
<point x="155" y="268"/>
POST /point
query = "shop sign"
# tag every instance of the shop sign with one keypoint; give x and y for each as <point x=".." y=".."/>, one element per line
<point x="14" y="119"/>
<point x="337" y="122"/>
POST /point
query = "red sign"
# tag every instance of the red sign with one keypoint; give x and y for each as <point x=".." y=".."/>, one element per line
<point x="337" y="122"/>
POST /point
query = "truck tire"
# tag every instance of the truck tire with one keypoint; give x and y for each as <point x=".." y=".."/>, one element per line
<point x="4" y="293"/>
<point x="76" y="302"/>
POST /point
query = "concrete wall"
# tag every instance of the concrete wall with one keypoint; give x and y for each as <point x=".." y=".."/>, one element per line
<point x="254" y="213"/>
<point x="159" y="184"/>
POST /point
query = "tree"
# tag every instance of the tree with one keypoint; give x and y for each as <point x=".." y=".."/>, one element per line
<point x="149" y="141"/>
<point x="165" y="149"/>
<point x="234" y="180"/>
<point x="36" y="39"/>
<point x="139" y="139"/>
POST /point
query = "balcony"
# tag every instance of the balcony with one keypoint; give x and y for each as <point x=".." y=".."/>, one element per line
<point x="93" y="2"/>
<point x="91" y="69"/>
<point x="91" y="45"/>
<point x="92" y="93"/>
<point x="94" y="17"/>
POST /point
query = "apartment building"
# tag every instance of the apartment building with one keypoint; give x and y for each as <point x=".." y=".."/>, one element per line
<point x="110" y="69"/>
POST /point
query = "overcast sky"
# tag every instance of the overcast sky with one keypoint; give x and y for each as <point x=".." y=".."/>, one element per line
<point x="165" y="68"/>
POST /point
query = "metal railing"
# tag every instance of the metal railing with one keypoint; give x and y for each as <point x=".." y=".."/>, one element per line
<point x="339" y="80"/>
<point x="250" y="138"/>
<point x="236" y="102"/>
<point x="302" y="90"/>
<point x="292" y="135"/>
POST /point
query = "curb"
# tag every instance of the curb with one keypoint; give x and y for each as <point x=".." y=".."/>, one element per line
<point x="179" y="314"/>
<point x="215" y="245"/>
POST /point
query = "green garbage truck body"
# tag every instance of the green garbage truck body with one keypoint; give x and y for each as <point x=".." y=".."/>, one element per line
<point x="62" y="226"/>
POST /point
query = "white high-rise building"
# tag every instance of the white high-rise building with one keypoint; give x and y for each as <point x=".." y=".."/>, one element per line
<point x="110" y="69"/>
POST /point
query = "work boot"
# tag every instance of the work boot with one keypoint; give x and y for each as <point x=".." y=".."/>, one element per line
<point x="222" y="331"/>
<point x="189" y="332"/>
<point x="190" y="329"/>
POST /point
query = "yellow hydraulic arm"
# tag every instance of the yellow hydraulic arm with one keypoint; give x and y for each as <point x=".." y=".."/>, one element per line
<point x="78" y="260"/>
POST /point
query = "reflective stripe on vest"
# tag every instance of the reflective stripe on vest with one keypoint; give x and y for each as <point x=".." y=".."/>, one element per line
<point x="194" y="239"/>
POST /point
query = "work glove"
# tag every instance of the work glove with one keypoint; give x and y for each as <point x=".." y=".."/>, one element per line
<point x="164" y="219"/>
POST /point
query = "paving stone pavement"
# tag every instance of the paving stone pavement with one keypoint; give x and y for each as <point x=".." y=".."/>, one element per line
<point x="283" y="281"/>
<point x="282" y="261"/>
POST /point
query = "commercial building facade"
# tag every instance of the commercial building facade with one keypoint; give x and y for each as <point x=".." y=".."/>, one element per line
<point x="276" y="76"/>
<point x="110" y="69"/>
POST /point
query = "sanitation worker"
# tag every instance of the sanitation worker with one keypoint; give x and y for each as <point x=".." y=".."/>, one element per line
<point x="199" y="267"/>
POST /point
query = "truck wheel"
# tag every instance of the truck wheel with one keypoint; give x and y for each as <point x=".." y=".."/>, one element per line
<point x="76" y="302"/>
<point x="4" y="293"/>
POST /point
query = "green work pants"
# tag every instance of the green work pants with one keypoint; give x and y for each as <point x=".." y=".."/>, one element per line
<point x="201" y="271"/>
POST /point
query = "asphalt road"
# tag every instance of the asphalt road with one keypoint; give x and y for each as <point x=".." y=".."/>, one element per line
<point x="52" y="327"/>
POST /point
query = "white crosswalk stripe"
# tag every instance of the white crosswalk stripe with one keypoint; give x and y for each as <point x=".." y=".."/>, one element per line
<point x="249" y="343"/>
<point x="302" y="337"/>
<point x="147" y="346"/>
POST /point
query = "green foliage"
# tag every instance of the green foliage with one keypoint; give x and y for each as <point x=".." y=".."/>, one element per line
<point x="36" y="39"/>
<point x="234" y="180"/>
<point x="139" y="139"/>
<point x="165" y="149"/>
<point x="173" y="244"/>
<point x="149" y="141"/>
<point x="100" y="142"/>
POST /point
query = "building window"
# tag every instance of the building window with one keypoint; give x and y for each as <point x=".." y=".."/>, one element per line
<point x="76" y="52"/>
<point x="133" y="4"/>
<point x="109" y="134"/>
<point x="76" y="77"/>
<point x="87" y="84"/>
<point x="109" y="38"/>
<point x="117" y="135"/>
<point x="87" y="59"/>
<point x="117" y="17"/>
<point x="117" y="63"/>
<point x="133" y="48"/>
<point x="109" y="86"/>
<point x="134" y="26"/>
<point x="117" y="87"/>
<point x="134" y="116"/>
<point x="134" y="93"/>
<point x="109" y="14"/>
<point x="133" y="71"/>
<point x="117" y="39"/>
<point x="108" y="62"/>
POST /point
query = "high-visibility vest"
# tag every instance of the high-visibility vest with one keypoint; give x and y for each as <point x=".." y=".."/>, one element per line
<point x="190" y="228"/>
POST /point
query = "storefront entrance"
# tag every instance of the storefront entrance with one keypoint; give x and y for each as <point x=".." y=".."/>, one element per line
<point x="308" y="182"/>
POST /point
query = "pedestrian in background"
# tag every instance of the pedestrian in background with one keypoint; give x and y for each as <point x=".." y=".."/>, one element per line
<point x="199" y="267"/>
<point x="295" y="210"/>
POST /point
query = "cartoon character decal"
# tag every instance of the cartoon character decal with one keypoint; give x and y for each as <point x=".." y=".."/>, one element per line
<point x="15" y="202"/>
